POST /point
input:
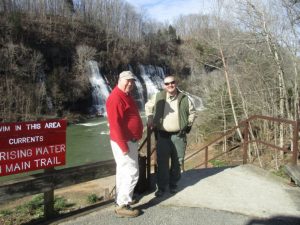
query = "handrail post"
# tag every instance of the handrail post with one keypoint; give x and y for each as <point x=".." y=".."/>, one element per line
<point x="246" y="141"/>
<point x="49" y="199"/>
<point x="295" y="142"/>
<point x="148" y="171"/>
<point x="206" y="157"/>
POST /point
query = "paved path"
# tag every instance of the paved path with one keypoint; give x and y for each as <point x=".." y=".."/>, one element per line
<point x="243" y="195"/>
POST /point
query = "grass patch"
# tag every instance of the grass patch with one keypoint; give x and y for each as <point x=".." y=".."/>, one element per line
<point x="218" y="163"/>
<point x="32" y="210"/>
<point x="61" y="204"/>
<point x="92" y="198"/>
<point x="280" y="173"/>
<point x="5" y="212"/>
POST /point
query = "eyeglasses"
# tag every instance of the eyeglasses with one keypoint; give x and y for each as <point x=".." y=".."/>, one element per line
<point x="168" y="83"/>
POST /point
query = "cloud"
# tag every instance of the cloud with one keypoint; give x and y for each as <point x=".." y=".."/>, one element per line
<point x="168" y="10"/>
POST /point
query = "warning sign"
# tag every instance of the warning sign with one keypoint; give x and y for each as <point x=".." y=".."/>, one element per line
<point x="28" y="146"/>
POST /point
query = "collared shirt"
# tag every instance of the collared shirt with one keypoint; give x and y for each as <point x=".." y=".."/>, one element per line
<point x="171" y="117"/>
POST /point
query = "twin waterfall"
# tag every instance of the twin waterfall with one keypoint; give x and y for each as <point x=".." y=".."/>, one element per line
<point x="100" y="89"/>
<point x="148" y="82"/>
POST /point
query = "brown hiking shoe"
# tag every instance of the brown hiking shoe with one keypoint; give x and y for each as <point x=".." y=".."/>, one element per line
<point x="133" y="202"/>
<point x="126" y="211"/>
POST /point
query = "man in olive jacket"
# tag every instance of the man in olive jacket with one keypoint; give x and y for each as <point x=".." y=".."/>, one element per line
<point x="171" y="113"/>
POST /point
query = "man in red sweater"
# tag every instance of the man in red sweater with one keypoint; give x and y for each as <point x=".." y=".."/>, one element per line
<point x="126" y="129"/>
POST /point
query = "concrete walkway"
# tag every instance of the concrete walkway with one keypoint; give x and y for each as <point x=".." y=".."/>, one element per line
<point x="243" y="195"/>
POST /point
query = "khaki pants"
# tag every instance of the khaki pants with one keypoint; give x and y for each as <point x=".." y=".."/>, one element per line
<point x="127" y="172"/>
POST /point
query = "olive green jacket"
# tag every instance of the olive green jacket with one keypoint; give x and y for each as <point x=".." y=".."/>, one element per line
<point x="183" y="109"/>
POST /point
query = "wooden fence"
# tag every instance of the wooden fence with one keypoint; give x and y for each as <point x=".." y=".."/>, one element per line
<point x="53" y="179"/>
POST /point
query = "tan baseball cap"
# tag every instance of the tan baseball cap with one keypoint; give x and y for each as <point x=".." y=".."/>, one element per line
<point x="128" y="75"/>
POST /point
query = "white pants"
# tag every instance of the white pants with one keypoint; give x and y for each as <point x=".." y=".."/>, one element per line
<point x="127" y="172"/>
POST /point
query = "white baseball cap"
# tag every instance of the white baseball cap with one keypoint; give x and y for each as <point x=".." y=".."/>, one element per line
<point x="128" y="75"/>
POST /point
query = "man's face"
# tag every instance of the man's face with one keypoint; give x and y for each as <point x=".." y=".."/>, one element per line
<point x="126" y="85"/>
<point x="170" y="85"/>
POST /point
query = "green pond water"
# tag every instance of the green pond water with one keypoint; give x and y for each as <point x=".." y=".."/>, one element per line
<point x="88" y="142"/>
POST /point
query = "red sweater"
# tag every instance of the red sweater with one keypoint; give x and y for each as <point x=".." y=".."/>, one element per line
<point x="123" y="117"/>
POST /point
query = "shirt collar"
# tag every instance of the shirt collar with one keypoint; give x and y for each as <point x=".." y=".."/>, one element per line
<point x="171" y="97"/>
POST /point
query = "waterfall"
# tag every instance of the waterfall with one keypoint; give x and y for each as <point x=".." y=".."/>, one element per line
<point x="138" y="91"/>
<point x="100" y="89"/>
<point x="197" y="101"/>
<point x="139" y="98"/>
<point x="148" y="81"/>
<point x="153" y="77"/>
<point x="49" y="103"/>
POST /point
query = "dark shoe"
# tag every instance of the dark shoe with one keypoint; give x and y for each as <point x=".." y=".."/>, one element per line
<point x="126" y="211"/>
<point x="173" y="189"/>
<point x="159" y="193"/>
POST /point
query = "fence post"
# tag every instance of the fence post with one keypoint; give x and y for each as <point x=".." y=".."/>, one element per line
<point x="246" y="141"/>
<point x="49" y="199"/>
<point x="295" y="142"/>
<point x="148" y="171"/>
<point x="206" y="157"/>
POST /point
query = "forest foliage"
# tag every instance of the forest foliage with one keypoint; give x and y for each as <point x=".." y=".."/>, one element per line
<point x="242" y="58"/>
<point x="45" y="46"/>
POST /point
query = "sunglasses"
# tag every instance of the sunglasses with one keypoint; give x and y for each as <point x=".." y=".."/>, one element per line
<point x="168" y="83"/>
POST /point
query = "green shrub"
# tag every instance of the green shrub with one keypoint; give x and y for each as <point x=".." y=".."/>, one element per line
<point x="60" y="204"/>
<point x="32" y="210"/>
<point x="92" y="198"/>
<point x="5" y="212"/>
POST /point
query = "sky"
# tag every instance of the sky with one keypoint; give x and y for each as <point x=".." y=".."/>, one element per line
<point x="168" y="10"/>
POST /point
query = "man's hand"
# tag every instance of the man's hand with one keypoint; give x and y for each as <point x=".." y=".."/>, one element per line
<point x="188" y="129"/>
<point x="185" y="130"/>
<point x="150" y="122"/>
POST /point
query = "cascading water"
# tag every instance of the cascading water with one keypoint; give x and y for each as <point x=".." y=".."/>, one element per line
<point x="100" y="89"/>
<point x="153" y="77"/>
<point x="152" y="82"/>
<point x="139" y="98"/>
<point x="138" y="92"/>
<point x="197" y="101"/>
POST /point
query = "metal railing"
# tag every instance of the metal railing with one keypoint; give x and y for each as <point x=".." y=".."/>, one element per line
<point x="246" y="140"/>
